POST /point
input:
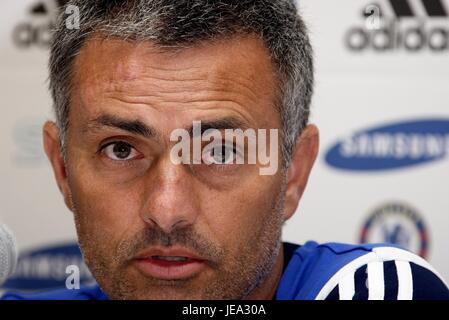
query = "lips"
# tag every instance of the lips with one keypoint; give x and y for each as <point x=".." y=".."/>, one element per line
<point x="170" y="264"/>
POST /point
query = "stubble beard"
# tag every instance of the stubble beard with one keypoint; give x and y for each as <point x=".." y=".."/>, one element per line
<point x="236" y="279"/>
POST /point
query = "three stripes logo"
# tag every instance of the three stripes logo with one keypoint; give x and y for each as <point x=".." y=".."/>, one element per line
<point x="36" y="31"/>
<point x="407" y="25"/>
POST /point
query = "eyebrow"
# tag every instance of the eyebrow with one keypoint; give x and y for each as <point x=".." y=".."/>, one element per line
<point x="220" y="124"/>
<point x="138" y="127"/>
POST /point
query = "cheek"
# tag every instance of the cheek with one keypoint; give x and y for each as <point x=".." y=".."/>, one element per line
<point x="104" y="209"/>
<point x="236" y="217"/>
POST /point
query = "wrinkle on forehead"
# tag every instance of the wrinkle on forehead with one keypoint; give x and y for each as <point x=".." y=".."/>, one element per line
<point x="236" y="71"/>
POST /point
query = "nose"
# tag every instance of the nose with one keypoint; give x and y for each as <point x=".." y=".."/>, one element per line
<point x="171" y="201"/>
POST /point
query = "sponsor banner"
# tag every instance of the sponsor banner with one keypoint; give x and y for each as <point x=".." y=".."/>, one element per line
<point x="48" y="268"/>
<point x="384" y="37"/>
<point x="35" y="30"/>
<point x="393" y="146"/>
<point x="397" y="223"/>
<point x="406" y="25"/>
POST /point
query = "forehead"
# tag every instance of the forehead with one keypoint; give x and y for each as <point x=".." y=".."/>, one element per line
<point x="222" y="54"/>
<point x="237" y="70"/>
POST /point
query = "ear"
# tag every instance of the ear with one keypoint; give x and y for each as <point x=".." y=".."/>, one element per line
<point x="303" y="158"/>
<point x="52" y="146"/>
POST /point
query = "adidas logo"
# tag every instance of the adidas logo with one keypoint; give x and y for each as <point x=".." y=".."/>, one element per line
<point x="36" y="31"/>
<point x="407" y="25"/>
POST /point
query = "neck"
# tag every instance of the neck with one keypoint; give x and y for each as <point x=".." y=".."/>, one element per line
<point x="267" y="289"/>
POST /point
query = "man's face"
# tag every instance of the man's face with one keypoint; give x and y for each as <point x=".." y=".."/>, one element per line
<point x="151" y="229"/>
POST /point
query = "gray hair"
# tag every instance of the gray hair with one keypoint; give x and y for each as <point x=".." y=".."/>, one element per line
<point x="178" y="23"/>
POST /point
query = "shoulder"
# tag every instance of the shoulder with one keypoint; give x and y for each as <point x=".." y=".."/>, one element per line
<point x="84" y="293"/>
<point x="359" y="272"/>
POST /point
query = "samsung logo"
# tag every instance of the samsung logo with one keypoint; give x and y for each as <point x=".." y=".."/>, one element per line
<point x="392" y="146"/>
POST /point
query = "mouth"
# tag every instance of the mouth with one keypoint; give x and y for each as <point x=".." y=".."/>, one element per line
<point x="172" y="264"/>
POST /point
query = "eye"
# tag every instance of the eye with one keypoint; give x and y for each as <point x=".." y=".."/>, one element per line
<point x="120" y="151"/>
<point x="220" y="154"/>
